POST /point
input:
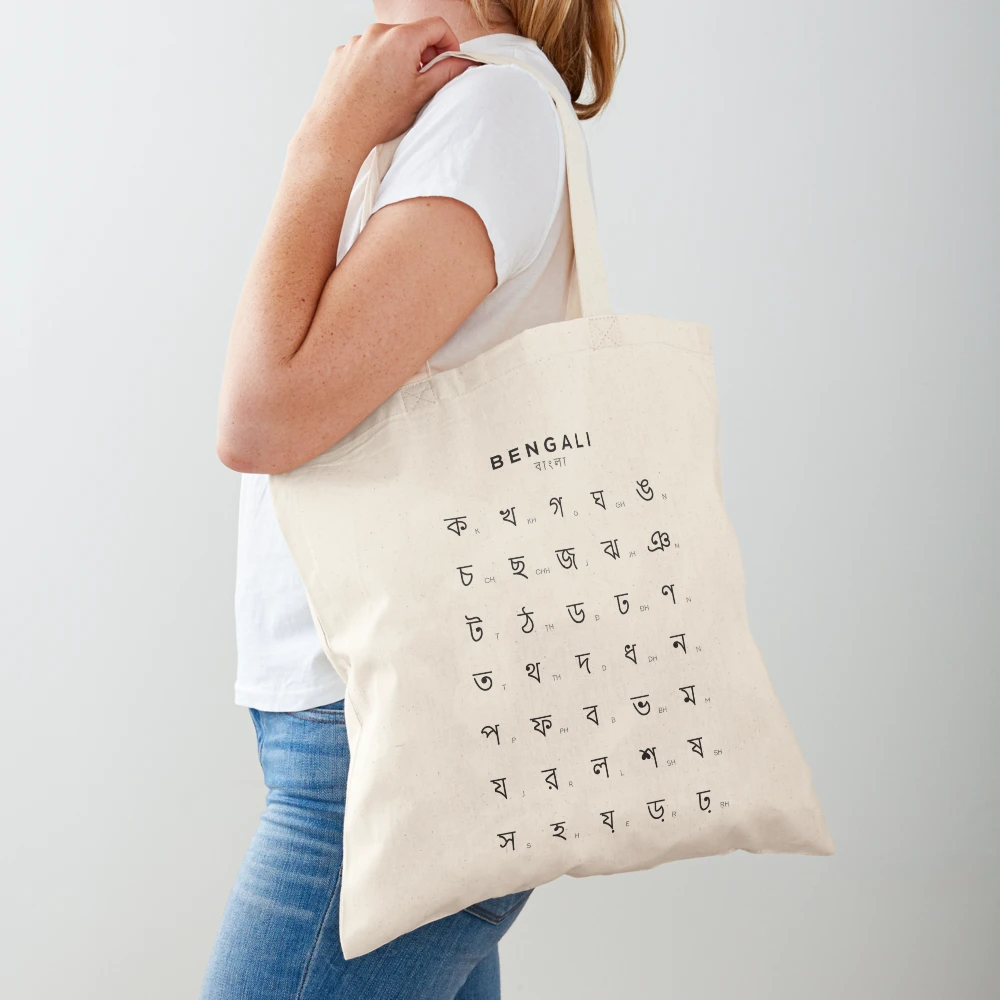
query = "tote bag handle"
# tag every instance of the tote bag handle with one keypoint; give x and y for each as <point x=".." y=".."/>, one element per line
<point x="591" y="280"/>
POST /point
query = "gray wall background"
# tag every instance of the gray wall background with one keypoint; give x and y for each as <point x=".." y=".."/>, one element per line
<point x="816" y="181"/>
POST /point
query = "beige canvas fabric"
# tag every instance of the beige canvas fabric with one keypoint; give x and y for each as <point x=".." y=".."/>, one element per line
<point x="524" y="571"/>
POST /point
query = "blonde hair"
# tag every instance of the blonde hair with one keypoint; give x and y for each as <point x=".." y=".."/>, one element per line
<point x="582" y="39"/>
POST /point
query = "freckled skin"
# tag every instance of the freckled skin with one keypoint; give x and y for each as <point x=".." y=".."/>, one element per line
<point x="314" y="348"/>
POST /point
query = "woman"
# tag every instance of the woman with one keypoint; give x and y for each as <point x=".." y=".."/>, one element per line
<point x="468" y="243"/>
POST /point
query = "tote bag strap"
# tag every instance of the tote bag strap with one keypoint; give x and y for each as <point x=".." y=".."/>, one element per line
<point x="591" y="280"/>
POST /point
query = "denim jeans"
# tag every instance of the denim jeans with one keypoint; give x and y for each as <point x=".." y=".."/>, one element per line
<point x="279" y="938"/>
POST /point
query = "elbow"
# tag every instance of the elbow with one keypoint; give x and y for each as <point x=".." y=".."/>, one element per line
<point x="241" y="437"/>
<point x="260" y="436"/>
<point x="271" y="433"/>
<point x="233" y="456"/>
<point x="237" y="451"/>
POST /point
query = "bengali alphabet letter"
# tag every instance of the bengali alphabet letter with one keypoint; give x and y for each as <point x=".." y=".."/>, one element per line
<point x="622" y="602"/>
<point x="567" y="558"/>
<point x="528" y="624"/>
<point x="533" y="671"/>
<point x="493" y="730"/>
<point x="650" y="754"/>
<point x="591" y="711"/>
<point x="556" y="504"/>
<point x="484" y="680"/>
<point x="500" y="786"/>
<point x="550" y="777"/>
<point x="465" y="577"/>
<point x="474" y="622"/>
<point x="688" y="694"/>
<point x="611" y="548"/>
<point x="704" y="801"/>
<point x="508" y="515"/>
<point x="600" y="762"/>
<point x="696" y="746"/>
<point x="507" y="839"/>
<point x="576" y="612"/>
<point x="559" y="830"/>
<point x="640" y="703"/>
<point x="598" y="496"/>
<point x="660" y="540"/>
<point x="456" y="524"/>
<point x="542" y="723"/>
<point x="630" y="651"/>
<point x="679" y="642"/>
<point x="656" y="809"/>
<point x="608" y="819"/>
<point x="517" y="565"/>
<point x="644" y="489"/>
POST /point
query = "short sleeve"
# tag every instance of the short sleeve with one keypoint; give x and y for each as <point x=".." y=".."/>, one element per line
<point x="490" y="138"/>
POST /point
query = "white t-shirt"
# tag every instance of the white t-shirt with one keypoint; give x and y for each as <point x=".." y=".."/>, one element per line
<point x="490" y="138"/>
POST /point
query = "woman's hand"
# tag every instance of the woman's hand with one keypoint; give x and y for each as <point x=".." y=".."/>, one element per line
<point x="373" y="88"/>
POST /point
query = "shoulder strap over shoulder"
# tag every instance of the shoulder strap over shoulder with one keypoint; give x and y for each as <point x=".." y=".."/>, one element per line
<point x="592" y="284"/>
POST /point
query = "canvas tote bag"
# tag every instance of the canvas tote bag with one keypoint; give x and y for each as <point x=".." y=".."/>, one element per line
<point x="523" y="569"/>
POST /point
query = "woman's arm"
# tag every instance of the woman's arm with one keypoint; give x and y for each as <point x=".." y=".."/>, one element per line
<point x="314" y="348"/>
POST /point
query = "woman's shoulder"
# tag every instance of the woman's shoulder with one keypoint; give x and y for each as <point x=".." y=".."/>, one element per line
<point x="492" y="125"/>
<point x="490" y="138"/>
<point x="499" y="98"/>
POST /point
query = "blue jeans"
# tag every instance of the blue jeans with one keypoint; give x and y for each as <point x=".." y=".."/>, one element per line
<point x="279" y="938"/>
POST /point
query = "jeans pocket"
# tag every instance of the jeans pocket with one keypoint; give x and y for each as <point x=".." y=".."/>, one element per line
<point x="334" y="712"/>
<point x="499" y="907"/>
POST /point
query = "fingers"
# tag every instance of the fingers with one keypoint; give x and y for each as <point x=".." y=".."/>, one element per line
<point x="433" y="79"/>
<point x="386" y="71"/>
<point x="433" y="33"/>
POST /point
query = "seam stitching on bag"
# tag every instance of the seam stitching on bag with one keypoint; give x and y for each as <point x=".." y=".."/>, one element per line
<point x="389" y="418"/>
<point x="604" y="332"/>
<point x="418" y="392"/>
